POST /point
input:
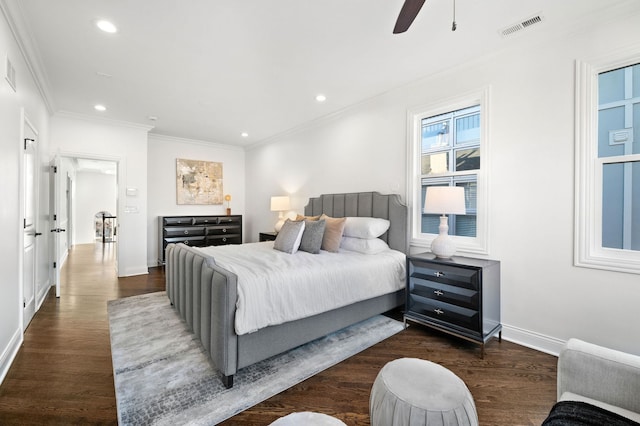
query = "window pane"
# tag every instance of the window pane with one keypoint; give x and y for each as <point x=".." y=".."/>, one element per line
<point x="636" y="125"/>
<point x="612" y="205"/>
<point x="608" y="120"/>
<point x="621" y="206"/>
<point x="611" y="86"/>
<point x="636" y="81"/>
<point x="434" y="134"/>
<point x="468" y="159"/>
<point x="470" y="196"/>
<point x="435" y="163"/>
<point x="468" y="129"/>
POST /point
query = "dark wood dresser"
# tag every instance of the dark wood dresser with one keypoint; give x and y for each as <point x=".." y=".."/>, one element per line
<point x="198" y="231"/>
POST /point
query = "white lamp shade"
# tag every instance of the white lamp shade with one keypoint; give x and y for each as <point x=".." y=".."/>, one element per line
<point x="444" y="200"/>
<point x="280" y="204"/>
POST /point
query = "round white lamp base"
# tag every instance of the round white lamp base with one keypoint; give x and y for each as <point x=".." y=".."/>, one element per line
<point x="443" y="246"/>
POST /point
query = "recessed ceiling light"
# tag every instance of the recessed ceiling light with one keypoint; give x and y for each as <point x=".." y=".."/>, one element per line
<point x="100" y="107"/>
<point x="321" y="98"/>
<point x="244" y="134"/>
<point x="106" y="26"/>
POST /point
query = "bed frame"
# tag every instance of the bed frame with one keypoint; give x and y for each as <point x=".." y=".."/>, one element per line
<point x="205" y="294"/>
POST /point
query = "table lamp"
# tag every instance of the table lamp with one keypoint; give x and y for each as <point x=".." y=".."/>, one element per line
<point x="280" y="204"/>
<point x="444" y="200"/>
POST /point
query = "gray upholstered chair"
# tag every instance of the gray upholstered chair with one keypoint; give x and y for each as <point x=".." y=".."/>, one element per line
<point x="600" y="376"/>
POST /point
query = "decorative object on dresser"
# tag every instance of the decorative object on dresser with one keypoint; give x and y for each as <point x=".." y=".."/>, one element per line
<point x="227" y="198"/>
<point x="198" y="231"/>
<point x="267" y="236"/>
<point x="444" y="200"/>
<point x="460" y="296"/>
<point x="280" y="204"/>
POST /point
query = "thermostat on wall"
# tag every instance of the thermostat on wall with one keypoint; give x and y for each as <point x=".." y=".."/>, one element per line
<point x="132" y="192"/>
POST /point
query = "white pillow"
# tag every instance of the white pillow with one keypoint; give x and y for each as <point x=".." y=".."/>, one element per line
<point x="364" y="246"/>
<point x="365" y="227"/>
<point x="289" y="237"/>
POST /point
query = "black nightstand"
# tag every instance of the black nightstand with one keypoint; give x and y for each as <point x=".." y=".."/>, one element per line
<point x="460" y="296"/>
<point x="267" y="236"/>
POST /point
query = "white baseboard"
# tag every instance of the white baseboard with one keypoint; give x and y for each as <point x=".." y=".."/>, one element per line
<point x="533" y="340"/>
<point x="9" y="353"/>
<point x="141" y="270"/>
<point x="42" y="294"/>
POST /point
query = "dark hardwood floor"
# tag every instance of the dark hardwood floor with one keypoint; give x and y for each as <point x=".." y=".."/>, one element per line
<point x="63" y="373"/>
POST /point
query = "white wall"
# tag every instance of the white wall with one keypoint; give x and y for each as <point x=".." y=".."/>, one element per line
<point x="545" y="299"/>
<point x="162" y="154"/>
<point x="94" y="193"/>
<point x="26" y="98"/>
<point x="126" y="144"/>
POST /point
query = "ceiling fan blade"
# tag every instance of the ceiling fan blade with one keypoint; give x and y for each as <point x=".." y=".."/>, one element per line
<point x="408" y="13"/>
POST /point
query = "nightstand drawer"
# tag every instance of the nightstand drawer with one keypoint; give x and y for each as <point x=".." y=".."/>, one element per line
<point x="446" y="313"/>
<point x="445" y="293"/>
<point x="455" y="276"/>
<point x="179" y="231"/>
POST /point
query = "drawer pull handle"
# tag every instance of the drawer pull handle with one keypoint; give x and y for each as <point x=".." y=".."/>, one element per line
<point x="438" y="311"/>
<point x="224" y="239"/>
<point x="186" y="232"/>
<point x="224" y="229"/>
<point x="438" y="292"/>
<point x="439" y="274"/>
<point x="186" y="242"/>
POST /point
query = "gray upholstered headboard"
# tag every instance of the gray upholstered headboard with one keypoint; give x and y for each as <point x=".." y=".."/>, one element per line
<point x="366" y="204"/>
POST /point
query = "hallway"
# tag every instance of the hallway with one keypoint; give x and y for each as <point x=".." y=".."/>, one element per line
<point x="63" y="372"/>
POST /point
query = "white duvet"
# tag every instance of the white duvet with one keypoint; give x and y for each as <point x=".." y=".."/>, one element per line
<point x="276" y="287"/>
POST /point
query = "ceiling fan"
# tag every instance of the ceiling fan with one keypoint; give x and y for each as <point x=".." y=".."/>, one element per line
<point x="408" y="13"/>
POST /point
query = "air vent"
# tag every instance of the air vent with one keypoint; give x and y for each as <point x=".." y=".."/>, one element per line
<point x="10" y="74"/>
<point x="526" y="23"/>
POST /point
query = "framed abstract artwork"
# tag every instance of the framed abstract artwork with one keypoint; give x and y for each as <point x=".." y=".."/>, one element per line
<point x="198" y="182"/>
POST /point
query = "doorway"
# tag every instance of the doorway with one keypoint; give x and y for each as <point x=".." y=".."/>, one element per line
<point x="82" y="186"/>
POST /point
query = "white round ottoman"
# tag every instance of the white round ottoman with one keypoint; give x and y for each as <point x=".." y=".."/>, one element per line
<point x="410" y="391"/>
<point x="307" y="418"/>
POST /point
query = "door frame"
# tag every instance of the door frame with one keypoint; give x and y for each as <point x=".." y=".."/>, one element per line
<point x="25" y="122"/>
<point x="120" y="166"/>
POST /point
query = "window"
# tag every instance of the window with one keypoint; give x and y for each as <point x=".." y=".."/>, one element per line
<point x="608" y="165"/>
<point x="447" y="149"/>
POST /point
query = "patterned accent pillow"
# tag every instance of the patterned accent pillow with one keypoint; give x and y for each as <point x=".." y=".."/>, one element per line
<point x="312" y="236"/>
<point x="332" y="232"/>
<point x="289" y="237"/>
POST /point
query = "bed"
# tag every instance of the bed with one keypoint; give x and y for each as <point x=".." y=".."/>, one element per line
<point x="206" y="294"/>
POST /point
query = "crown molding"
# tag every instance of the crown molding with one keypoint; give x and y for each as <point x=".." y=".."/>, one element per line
<point x="176" y="139"/>
<point x="101" y="120"/>
<point x="14" y="17"/>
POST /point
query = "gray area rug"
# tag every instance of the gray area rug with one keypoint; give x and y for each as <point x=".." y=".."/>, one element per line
<point x="163" y="377"/>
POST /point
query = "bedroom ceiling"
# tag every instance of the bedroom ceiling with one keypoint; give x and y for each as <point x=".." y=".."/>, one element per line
<point x="210" y="70"/>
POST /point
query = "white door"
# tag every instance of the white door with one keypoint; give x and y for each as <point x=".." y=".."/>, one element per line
<point x="29" y="226"/>
<point x="56" y="229"/>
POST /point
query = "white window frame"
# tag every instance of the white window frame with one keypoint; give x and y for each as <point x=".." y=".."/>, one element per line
<point x="472" y="245"/>
<point x="588" y="250"/>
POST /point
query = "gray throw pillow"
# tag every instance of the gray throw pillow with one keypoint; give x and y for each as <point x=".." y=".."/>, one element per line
<point x="289" y="237"/>
<point x="312" y="236"/>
